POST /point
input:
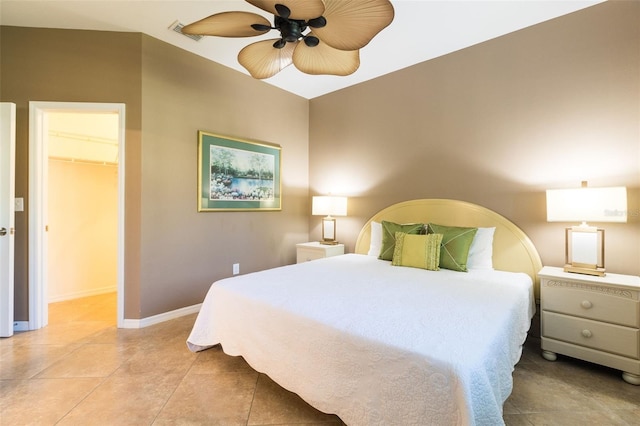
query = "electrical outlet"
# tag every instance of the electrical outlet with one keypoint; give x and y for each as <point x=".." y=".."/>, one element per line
<point x="236" y="268"/>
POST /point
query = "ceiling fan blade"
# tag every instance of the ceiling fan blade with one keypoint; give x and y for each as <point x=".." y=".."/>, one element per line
<point x="229" y="24"/>
<point x="324" y="59"/>
<point x="262" y="60"/>
<point x="352" y="24"/>
<point x="300" y="10"/>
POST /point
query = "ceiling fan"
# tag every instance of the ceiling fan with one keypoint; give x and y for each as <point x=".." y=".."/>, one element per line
<point x="317" y="36"/>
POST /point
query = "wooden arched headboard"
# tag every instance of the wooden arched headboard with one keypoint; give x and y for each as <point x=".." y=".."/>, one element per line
<point x="513" y="251"/>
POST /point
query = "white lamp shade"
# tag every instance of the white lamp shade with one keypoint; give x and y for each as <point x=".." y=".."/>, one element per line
<point x="587" y="204"/>
<point x="329" y="206"/>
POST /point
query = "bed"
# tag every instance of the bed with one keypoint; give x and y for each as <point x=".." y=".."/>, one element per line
<point x="379" y="344"/>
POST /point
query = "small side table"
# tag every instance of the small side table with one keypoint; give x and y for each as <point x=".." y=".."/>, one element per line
<point x="595" y="319"/>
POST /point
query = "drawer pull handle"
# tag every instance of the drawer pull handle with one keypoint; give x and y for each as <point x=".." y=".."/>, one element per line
<point x="586" y="333"/>
<point x="586" y="304"/>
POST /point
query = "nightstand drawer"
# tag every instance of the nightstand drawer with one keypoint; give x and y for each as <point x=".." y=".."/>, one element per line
<point x="314" y="250"/>
<point x="305" y="255"/>
<point x="593" y="334"/>
<point x="602" y="303"/>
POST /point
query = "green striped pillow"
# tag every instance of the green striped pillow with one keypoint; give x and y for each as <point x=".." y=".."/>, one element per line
<point x="417" y="251"/>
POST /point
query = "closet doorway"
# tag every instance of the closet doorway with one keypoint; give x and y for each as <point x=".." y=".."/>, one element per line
<point x="76" y="215"/>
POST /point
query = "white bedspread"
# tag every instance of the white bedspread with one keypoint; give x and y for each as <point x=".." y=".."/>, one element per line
<point x="374" y="343"/>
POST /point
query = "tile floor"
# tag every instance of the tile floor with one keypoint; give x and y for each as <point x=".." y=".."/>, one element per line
<point x="82" y="370"/>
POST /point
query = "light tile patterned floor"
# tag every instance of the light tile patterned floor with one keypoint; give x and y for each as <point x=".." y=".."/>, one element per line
<point x="82" y="370"/>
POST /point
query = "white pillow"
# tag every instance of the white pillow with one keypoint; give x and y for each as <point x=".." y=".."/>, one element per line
<point x="481" y="249"/>
<point x="376" y="239"/>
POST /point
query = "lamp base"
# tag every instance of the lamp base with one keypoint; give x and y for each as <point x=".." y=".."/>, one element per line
<point x="329" y="242"/>
<point x="598" y="272"/>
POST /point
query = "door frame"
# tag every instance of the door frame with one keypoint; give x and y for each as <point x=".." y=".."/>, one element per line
<point x="38" y="203"/>
<point x="7" y="195"/>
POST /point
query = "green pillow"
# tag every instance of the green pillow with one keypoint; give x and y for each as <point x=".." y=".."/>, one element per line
<point x="389" y="230"/>
<point x="417" y="251"/>
<point x="455" y="245"/>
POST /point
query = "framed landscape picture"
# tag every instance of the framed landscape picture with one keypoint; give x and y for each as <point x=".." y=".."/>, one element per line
<point x="235" y="174"/>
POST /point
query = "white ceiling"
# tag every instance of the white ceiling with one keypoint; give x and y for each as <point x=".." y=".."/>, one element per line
<point x="421" y="30"/>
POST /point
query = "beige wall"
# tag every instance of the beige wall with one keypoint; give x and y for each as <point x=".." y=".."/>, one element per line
<point x="83" y="229"/>
<point x="172" y="253"/>
<point x="74" y="66"/>
<point x="495" y="124"/>
<point x="184" y="251"/>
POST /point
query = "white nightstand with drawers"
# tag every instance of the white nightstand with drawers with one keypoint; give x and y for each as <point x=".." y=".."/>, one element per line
<point x="596" y="319"/>
<point x="314" y="250"/>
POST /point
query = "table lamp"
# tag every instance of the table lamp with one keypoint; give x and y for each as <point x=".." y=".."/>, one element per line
<point x="329" y="206"/>
<point x="584" y="244"/>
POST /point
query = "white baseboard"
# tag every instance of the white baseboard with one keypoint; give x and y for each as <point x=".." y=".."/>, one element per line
<point x="82" y="293"/>
<point x="21" y="326"/>
<point x="156" y="319"/>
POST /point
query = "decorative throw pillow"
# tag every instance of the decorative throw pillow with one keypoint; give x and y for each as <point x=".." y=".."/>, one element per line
<point x="417" y="251"/>
<point x="455" y="245"/>
<point x="376" y="239"/>
<point x="481" y="250"/>
<point x="389" y="230"/>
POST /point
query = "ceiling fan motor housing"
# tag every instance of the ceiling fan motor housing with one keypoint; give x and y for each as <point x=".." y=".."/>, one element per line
<point x="290" y="29"/>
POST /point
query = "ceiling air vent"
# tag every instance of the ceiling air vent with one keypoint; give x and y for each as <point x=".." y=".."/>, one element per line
<point x="177" y="27"/>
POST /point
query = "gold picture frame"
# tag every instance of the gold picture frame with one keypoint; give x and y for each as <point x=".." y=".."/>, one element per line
<point x="238" y="175"/>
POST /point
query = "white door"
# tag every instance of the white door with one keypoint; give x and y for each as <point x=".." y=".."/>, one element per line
<point x="7" y="209"/>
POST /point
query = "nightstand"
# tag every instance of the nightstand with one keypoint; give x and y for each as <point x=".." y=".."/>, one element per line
<point x="596" y="319"/>
<point x="312" y="251"/>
